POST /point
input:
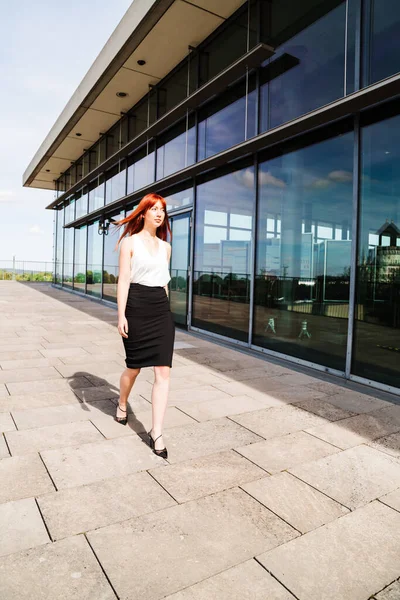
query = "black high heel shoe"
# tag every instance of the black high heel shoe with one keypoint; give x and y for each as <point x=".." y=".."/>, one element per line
<point x="122" y="420"/>
<point x="163" y="453"/>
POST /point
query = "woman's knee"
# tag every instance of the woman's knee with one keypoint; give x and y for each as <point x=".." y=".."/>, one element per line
<point x="161" y="374"/>
<point x="132" y="373"/>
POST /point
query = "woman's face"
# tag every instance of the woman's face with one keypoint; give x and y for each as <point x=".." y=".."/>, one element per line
<point x="155" y="215"/>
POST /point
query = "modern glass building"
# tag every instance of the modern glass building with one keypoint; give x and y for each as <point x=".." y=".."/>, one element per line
<point x="272" y="127"/>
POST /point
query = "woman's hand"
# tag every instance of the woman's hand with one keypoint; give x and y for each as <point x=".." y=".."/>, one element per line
<point x="123" y="327"/>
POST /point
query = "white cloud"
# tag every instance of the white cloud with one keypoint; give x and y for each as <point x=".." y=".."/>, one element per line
<point x="36" y="230"/>
<point x="6" y="195"/>
<point x="266" y="178"/>
<point x="341" y="176"/>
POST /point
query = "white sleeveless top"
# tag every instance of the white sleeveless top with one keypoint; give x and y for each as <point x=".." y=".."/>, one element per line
<point x="146" y="269"/>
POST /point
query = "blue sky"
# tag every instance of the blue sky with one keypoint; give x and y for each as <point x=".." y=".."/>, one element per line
<point x="46" y="48"/>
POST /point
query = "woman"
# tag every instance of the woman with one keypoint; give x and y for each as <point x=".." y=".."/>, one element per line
<point x="144" y="317"/>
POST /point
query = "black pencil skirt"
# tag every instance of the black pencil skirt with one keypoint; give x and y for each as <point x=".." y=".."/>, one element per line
<point x="151" y="329"/>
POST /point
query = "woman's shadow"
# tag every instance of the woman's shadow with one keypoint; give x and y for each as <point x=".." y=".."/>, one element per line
<point x="100" y="397"/>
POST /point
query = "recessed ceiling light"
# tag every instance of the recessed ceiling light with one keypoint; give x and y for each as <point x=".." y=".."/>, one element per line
<point x="141" y="62"/>
<point x="78" y="134"/>
<point x="121" y="94"/>
<point x="47" y="170"/>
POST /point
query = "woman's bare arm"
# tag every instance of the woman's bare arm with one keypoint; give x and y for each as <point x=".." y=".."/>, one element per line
<point x="125" y="255"/>
<point x="168" y="258"/>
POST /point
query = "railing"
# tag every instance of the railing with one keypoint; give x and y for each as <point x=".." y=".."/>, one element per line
<point x="26" y="270"/>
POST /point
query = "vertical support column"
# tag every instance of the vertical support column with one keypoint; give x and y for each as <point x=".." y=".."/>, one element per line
<point x="354" y="244"/>
<point x="191" y="257"/>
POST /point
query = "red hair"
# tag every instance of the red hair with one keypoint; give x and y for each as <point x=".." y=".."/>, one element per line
<point x="135" y="222"/>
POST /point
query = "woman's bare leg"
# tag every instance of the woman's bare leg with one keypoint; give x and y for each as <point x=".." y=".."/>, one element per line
<point x="126" y="382"/>
<point x="159" y="399"/>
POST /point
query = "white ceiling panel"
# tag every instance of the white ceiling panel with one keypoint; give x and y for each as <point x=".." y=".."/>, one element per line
<point x="93" y="123"/>
<point x="223" y="8"/>
<point x="167" y="44"/>
<point x="43" y="185"/>
<point x="135" y="84"/>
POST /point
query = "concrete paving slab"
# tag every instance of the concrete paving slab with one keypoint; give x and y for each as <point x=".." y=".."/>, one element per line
<point x="356" y="402"/>
<point x="53" y="436"/>
<point x="247" y="581"/>
<point x="21" y="527"/>
<point x="391" y="592"/>
<point x="310" y="510"/>
<point x="253" y="373"/>
<point x="186" y="543"/>
<point x="114" y="500"/>
<point x="323" y="408"/>
<point x="92" y="394"/>
<point x="4" y="453"/>
<point x="31" y="401"/>
<point x="23" y="375"/>
<point x="60" y="352"/>
<point x="281" y="453"/>
<point x="202" y="393"/>
<point x="389" y="444"/>
<point x="206" y="475"/>
<point x="253" y="388"/>
<point x="52" y="385"/>
<point x="139" y="422"/>
<point x="23" y="477"/>
<point x="84" y="369"/>
<point x="60" y="415"/>
<point x="361" y="428"/>
<point x="6" y="422"/>
<point x="200" y="439"/>
<point x="80" y="465"/>
<point x="30" y="363"/>
<point x="11" y="355"/>
<point x="229" y="405"/>
<point x="335" y="562"/>
<point x="352" y="477"/>
<point x="291" y="394"/>
<point x="392" y="499"/>
<point x="278" y="421"/>
<point x="3" y="391"/>
<point x="66" y="570"/>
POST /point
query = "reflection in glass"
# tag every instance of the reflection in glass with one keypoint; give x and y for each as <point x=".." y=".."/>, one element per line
<point x="115" y="184"/>
<point x="140" y="170"/>
<point x="222" y="267"/>
<point x="376" y="352"/>
<point x="68" y="257"/>
<point x="96" y="195"/>
<point x="178" y="287"/>
<point x="81" y="203"/>
<point x="176" y="151"/>
<point x="94" y="260"/>
<point x="110" y="269"/>
<point x="80" y="259"/>
<point x="384" y="45"/>
<point x="223" y="123"/>
<point x="303" y="252"/>
<point x="305" y="71"/>
<point x="59" y="245"/>
<point x="179" y="199"/>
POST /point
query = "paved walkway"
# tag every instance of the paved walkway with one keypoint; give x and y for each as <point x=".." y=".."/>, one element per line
<point x="279" y="484"/>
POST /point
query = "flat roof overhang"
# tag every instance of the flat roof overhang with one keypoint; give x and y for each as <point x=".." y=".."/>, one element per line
<point x="158" y="31"/>
<point x="354" y="103"/>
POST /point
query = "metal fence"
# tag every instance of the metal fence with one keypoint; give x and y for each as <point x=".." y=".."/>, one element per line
<point x="26" y="270"/>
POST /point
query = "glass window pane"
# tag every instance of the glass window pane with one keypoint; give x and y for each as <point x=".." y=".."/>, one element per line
<point x="140" y="170"/>
<point x="68" y="267"/>
<point x="60" y="245"/>
<point x="81" y="203"/>
<point x="176" y="151"/>
<point x="307" y="70"/>
<point x="94" y="261"/>
<point x="111" y="254"/>
<point x="80" y="259"/>
<point x="385" y="47"/>
<point x="96" y="195"/>
<point x="179" y="199"/>
<point x="377" y="325"/>
<point x="115" y="184"/>
<point x="302" y="279"/>
<point x="221" y="289"/>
